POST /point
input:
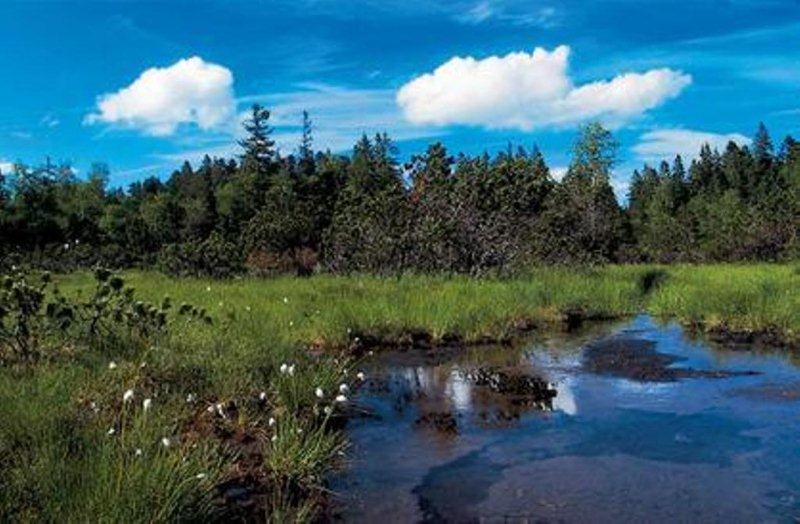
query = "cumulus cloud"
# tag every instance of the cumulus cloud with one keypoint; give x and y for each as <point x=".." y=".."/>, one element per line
<point x="664" y="144"/>
<point x="190" y="91"/>
<point x="530" y="90"/>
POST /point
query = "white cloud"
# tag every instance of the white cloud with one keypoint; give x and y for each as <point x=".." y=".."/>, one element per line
<point x="664" y="144"/>
<point x="6" y="167"/>
<point x="190" y="91"/>
<point x="530" y="90"/>
<point x="558" y="172"/>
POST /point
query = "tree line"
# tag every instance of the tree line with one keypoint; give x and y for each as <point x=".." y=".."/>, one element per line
<point x="266" y="213"/>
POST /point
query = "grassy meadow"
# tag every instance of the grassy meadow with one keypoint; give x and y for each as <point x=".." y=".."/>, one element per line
<point x="257" y="398"/>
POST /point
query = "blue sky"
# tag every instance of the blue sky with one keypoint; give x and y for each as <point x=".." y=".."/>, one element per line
<point x="142" y="85"/>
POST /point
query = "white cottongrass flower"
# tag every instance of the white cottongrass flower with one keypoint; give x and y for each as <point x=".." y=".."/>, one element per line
<point x="112" y="365"/>
<point x="165" y="442"/>
<point x="147" y="404"/>
<point x="221" y="304"/>
<point x="319" y="393"/>
<point x="284" y="368"/>
<point x="127" y="396"/>
<point x="138" y="452"/>
<point x="361" y="376"/>
<point x="208" y="288"/>
<point x="247" y="308"/>
<point x="221" y="410"/>
<point x="210" y="408"/>
<point x="274" y="438"/>
<point x="341" y="399"/>
<point x="94" y="406"/>
<point x="111" y="431"/>
<point x="271" y="421"/>
<point x="285" y="300"/>
<point x="299" y="431"/>
<point x="291" y="370"/>
<point x="200" y="476"/>
<point x="343" y="389"/>
<point x="328" y="410"/>
<point x="262" y="396"/>
<point x="291" y="323"/>
<point x="190" y="398"/>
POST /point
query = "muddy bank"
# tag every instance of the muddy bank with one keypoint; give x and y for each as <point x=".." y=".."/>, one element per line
<point x="633" y="358"/>
<point x="421" y="340"/>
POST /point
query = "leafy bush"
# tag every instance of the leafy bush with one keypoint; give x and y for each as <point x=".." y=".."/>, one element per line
<point x="34" y="315"/>
<point x="213" y="257"/>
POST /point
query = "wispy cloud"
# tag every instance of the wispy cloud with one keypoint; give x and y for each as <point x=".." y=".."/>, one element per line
<point x="510" y="13"/>
<point x="664" y="144"/>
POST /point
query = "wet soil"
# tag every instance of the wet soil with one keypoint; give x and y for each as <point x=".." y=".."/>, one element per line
<point x="637" y="359"/>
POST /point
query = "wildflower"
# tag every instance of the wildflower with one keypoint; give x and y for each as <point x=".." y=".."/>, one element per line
<point x="210" y="408"/>
<point x="143" y="365"/>
<point x="299" y="431"/>
<point x="94" y="407"/>
<point x="247" y="308"/>
<point x="200" y="476"/>
<point x="127" y="396"/>
<point x="361" y="376"/>
<point x="221" y="304"/>
<point x="66" y="247"/>
<point x="341" y="399"/>
<point x="262" y="396"/>
<point x="165" y="442"/>
<point x="291" y="370"/>
<point x="208" y="288"/>
<point x="271" y="421"/>
<point x="138" y="452"/>
<point x="284" y="368"/>
<point x="190" y="398"/>
<point x="328" y="410"/>
<point x="319" y="393"/>
<point x="112" y="365"/>
<point x="274" y="438"/>
<point x="343" y="389"/>
<point x="221" y="410"/>
<point x="291" y="323"/>
<point x="147" y="403"/>
<point x="111" y="431"/>
<point x="285" y="300"/>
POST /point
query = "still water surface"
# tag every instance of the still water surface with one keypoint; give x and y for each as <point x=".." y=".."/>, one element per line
<point x="622" y="441"/>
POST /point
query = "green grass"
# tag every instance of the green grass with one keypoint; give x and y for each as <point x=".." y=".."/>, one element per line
<point x="57" y="461"/>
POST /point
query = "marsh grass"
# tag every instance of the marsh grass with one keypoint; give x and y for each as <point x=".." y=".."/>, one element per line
<point x="57" y="461"/>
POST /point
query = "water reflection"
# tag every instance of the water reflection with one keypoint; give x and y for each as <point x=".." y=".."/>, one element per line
<point x="715" y="437"/>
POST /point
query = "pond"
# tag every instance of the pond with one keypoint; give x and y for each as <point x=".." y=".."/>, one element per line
<point x="627" y="422"/>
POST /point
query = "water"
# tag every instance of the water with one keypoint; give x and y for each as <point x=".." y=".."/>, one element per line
<point x="616" y="446"/>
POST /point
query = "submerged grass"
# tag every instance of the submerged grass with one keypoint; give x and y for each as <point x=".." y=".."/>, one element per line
<point x="211" y="386"/>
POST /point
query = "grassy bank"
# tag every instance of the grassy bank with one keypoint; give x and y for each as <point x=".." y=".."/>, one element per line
<point x="232" y="413"/>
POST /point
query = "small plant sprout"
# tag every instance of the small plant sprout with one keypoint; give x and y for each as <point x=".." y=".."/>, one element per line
<point x="127" y="396"/>
<point x="341" y="399"/>
<point x="112" y="365"/>
<point x="147" y="404"/>
<point x="166" y="442"/>
<point x="344" y="389"/>
<point x="319" y="393"/>
<point x="361" y="376"/>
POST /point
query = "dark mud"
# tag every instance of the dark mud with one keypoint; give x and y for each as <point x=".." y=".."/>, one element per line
<point x="442" y="422"/>
<point x="637" y="359"/>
